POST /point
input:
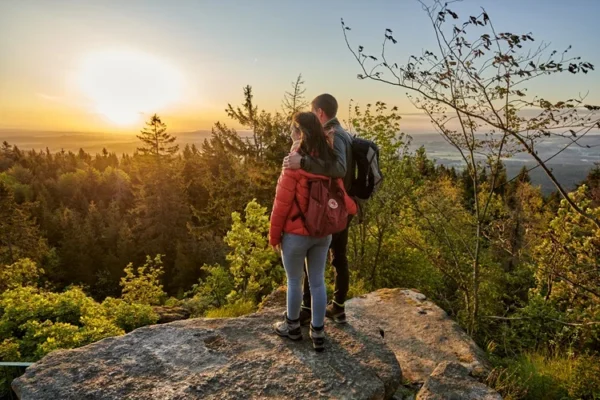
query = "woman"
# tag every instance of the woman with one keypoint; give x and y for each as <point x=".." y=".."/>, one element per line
<point x="289" y="232"/>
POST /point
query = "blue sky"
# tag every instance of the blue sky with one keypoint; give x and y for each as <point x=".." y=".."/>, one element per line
<point x="220" y="46"/>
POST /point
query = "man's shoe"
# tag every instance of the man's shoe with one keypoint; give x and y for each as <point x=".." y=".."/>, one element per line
<point x="305" y="316"/>
<point x="318" y="338"/>
<point x="336" y="313"/>
<point x="288" y="328"/>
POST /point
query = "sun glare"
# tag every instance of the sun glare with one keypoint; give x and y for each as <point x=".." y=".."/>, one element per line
<point x="123" y="85"/>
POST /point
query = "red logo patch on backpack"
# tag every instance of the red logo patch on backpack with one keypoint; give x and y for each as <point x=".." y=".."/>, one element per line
<point x="326" y="213"/>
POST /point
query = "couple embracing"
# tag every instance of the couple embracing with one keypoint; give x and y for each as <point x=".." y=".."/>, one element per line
<point x="320" y="163"/>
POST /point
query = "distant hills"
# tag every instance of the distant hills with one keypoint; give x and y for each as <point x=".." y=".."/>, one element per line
<point x="570" y="167"/>
<point x="92" y="142"/>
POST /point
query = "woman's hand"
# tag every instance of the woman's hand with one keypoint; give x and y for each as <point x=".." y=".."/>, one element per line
<point x="277" y="248"/>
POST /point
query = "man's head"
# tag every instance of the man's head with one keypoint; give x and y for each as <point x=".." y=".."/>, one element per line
<point x="325" y="107"/>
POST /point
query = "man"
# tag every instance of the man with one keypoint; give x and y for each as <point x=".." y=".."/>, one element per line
<point x="325" y="108"/>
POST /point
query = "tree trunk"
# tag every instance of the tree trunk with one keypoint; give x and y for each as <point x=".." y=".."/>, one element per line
<point x="476" y="267"/>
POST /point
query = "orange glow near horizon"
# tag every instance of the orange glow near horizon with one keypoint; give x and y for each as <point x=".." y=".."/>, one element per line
<point x="124" y="86"/>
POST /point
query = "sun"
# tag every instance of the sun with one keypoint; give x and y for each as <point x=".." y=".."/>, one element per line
<point x="125" y="84"/>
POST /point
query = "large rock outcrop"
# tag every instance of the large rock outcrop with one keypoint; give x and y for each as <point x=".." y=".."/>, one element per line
<point x="240" y="358"/>
<point x="419" y="332"/>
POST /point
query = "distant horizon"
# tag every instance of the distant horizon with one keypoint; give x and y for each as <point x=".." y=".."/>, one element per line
<point x="121" y="134"/>
<point x="571" y="167"/>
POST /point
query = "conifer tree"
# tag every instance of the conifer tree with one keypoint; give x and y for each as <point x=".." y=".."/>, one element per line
<point x="161" y="210"/>
<point x="156" y="141"/>
<point x="19" y="235"/>
<point x="523" y="176"/>
<point x="294" y="101"/>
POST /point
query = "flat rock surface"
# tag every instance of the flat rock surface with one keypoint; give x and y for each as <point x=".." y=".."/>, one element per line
<point x="419" y="332"/>
<point x="238" y="358"/>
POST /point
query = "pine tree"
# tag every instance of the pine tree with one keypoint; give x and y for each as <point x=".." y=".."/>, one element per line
<point x="523" y="176"/>
<point x="593" y="183"/>
<point x="294" y="101"/>
<point x="156" y="141"/>
<point x="501" y="179"/>
<point x="19" y="235"/>
<point x="161" y="210"/>
<point x="270" y="140"/>
<point x="161" y="215"/>
<point x="7" y="156"/>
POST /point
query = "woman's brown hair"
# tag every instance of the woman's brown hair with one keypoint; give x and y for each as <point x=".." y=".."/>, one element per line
<point x="313" y="141"/>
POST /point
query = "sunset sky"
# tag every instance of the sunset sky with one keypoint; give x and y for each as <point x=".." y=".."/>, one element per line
<point x="84" y="65"/>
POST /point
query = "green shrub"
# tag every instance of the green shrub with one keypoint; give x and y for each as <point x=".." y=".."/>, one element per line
<point x="43" y="337"/>
<point x="129" y="316"/>
<point x="214" y="288"/>
<point x="252" y="262"/>
<point x="173" y="302"/>
<point x="142" y="284"/>
<point x="9" y="350"/>
<point x="197" y="306"/>
<point x="24" y="272"/>
<point x="536" y="376"/>
<point x="584" y="378"/>
<point x="232" y="310"/>
<point x="40" y="321"/>
<point x="358" y="287"/>
<point x="19" y="305"/>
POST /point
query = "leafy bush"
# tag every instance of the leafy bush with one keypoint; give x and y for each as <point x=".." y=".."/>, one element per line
<point x="143" y="284"/>
<point x="214" y="288"/>
<point x="43" y="337"/>
<point x="129" y="316"/>
<point x="357" y="286"/>
<point x="252" y="261"/>
<point x="9" y="350"/>
<point x="40" y="321"/>
<point x="197" y="306"/>
<point x="173" y="302"/>
<point x="21" y="273"/>
<point x="566" y="261"/>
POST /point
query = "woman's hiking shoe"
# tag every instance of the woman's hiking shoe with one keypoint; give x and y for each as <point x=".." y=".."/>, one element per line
<point x="336" y="313"/>
<point x="305" y="316"/>
<point x="318" y="338"/>
<point x="288" y="328"/>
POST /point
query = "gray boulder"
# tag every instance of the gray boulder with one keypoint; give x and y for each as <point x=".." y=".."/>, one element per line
<point x="419" y="332"/>
<point x="238" y="358"/>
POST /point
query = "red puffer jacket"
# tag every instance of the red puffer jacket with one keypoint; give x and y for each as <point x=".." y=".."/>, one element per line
<point x="293" y="185"/>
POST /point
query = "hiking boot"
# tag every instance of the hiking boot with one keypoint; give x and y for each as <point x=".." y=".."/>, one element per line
<point x="288" y="328"/>
<point x="318" y="338"/>
<point x="305" y="316"/>
<point x="336" y="312"/>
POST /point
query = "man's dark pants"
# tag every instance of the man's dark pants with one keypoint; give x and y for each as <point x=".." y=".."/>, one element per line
<point x="339" y="247"/>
